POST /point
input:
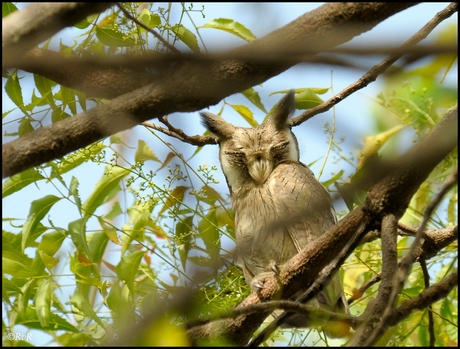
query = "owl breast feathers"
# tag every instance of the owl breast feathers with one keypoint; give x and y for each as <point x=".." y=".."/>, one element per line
<point x="279" y="205"/>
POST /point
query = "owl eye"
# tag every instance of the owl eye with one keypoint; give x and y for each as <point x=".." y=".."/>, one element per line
<point x="280" y="147"/>
<point x="237" y="156"/>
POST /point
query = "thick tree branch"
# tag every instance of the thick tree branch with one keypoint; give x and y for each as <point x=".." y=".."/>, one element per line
<point x="191" y="87"/>
<point x="377" y="306"/>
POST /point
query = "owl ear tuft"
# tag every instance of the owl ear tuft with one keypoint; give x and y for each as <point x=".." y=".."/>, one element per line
<point x="284" y="109"/>
<point x="217" y="125"/>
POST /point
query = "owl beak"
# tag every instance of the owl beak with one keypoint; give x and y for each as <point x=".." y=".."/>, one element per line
<point x="259" y="170"/>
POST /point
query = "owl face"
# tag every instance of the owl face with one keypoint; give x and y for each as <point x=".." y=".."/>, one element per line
<point x="249" y="155"/>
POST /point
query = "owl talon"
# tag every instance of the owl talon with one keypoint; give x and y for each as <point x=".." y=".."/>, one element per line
<point x="258" y="283"/>
<point x="275" y="268"/>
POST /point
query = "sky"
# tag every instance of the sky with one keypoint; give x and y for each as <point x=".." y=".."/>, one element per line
<point x="352" y="119"/>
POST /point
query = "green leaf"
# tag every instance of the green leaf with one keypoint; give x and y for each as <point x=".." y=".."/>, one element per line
<point x="232" y="27"/>
<point x="19" y="181"/>
<point x="245" y="113"/>
<point x="80" y="300"/>
<point x="51" y="242"/>
<point x="25" y="126"/>
<point x="155" y="20"/>
<point x="13" y="89"/>
<point x="183" y="237"/>
<point x="144" y="152"/>
<point x="103" y="188"/>
<point x="68" y="98"/>
<point x="128" y="267"/>
<point x="30" y="320"/>
<point x="42" y="302"/>
<point x="209" y="233"/>
<point x="15" y="263"/>
<point x="317" y="90"/>
<point x="112" y="38"/>
<point x="25" y="295"/>
<point x="74" y="160"/>
<point x="97" y="242"/>
<point x="307" y="99"/>
<point x="44" y="86"/>
<point x="186" y="36"/>
<point x="58" y="115"/>
<point x="333" y="179"/>
<point x="254" y="98"/>
<point x="73" y="190"/>
<point x="372" y="144"/>
<point x="77" y="230"/>
<point x="81" y="99"/>
<point x="114" y="212"/>
<point x="144" y="17"/>
<point x="7" y="8"/>
<point x="38" y="209"/>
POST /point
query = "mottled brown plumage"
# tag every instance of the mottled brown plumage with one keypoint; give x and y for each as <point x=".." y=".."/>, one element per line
<point x="280" y="207"/>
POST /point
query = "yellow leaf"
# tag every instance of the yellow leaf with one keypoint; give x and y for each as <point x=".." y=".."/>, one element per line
<point x="372" y="144"/>
<point x="177" y="195"/>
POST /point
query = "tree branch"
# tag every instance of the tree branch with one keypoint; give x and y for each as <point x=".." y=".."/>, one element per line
<point x="191" y="87"/>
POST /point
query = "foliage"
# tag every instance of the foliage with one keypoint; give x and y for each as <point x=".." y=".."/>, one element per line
<point x="139" y="238"/>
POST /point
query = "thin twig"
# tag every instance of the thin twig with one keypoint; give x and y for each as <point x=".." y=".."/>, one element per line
<point x="426" y="279"/>
<point x="179" y="134"/>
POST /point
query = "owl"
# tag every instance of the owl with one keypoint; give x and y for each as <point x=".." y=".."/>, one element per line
<point x="280" y="207"/>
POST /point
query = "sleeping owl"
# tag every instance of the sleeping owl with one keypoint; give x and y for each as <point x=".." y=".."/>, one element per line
<point x="280" y="207"/>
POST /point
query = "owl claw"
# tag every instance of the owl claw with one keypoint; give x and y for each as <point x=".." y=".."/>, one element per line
<point x="258" y="283"/>
<point x="275" y="268"/>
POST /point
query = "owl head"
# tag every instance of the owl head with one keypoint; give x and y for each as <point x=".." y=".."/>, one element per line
<point x="249" y="155"/>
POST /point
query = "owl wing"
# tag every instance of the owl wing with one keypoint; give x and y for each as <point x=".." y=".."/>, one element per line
<point x="304" y="205"/>
<point x="279" y="219"/>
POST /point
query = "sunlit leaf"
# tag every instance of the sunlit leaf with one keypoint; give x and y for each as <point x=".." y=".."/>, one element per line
<point x="245" y="113"/>
<point x="128" y="267"/>
<point x="38" y="209"/>
<point x="176" y="196"/>
<point x="183" y="237"/>
<point x="169" y="157"/>
<point x="186" y="36"/>
<point x="254" y="98"/>
<point x="144" y="152"/>
<point x="112" y="38"/>
<point x="42" y="302"/>
<point x="103" y="188"/>
<point x="372" y="144"/>
<point x="19" y="181"/>
<point x="80" y="300"/>
<point x="230" y="26"/>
